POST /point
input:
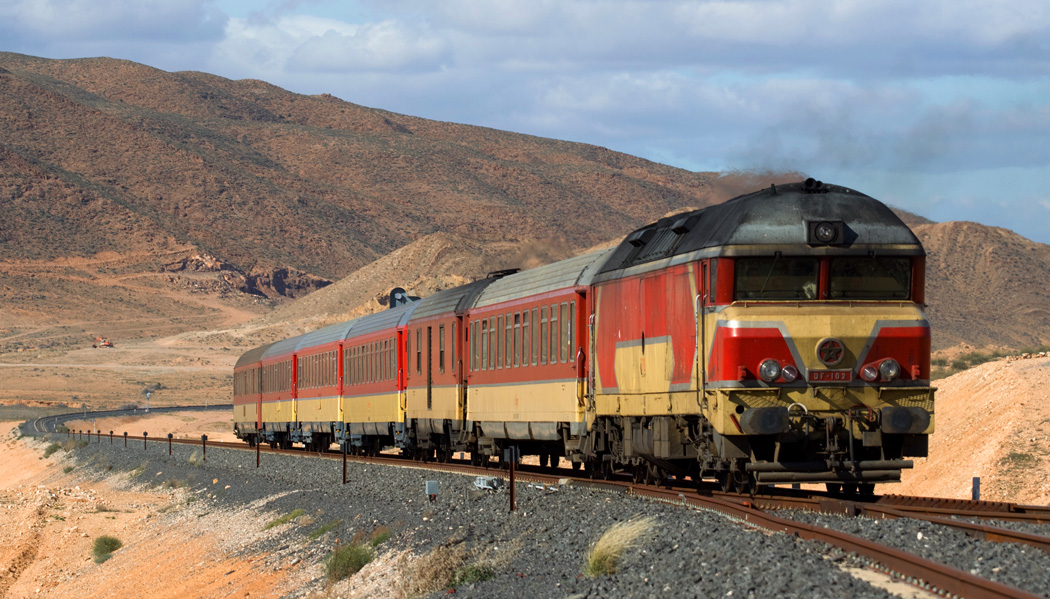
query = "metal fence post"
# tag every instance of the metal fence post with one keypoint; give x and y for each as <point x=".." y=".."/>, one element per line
<point x="169" y="443"/>
<point x="145" y="435"/>
<point x="204" y="446"/>
<point x="125" y="439"/>
<point x="977" y="488"/>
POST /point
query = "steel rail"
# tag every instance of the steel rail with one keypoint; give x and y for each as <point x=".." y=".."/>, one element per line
<point x="923" y="572"/>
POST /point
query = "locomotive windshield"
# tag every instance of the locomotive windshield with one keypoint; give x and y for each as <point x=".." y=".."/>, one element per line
<point x="798" y="278"/>
<point x="777" y="278"/>
<point x="861" y="277"/>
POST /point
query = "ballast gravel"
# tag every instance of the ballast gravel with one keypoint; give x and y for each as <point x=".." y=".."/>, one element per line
<point x="1013" y="564"/>
<point x="537" y="551"/>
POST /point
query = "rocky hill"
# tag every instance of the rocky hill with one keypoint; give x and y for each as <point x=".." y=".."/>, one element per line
<point x="140" y="203"/>
<point x="109" y="155"/>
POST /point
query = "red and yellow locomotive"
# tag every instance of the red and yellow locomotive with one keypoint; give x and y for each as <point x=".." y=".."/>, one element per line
<point x="778" y="337"/>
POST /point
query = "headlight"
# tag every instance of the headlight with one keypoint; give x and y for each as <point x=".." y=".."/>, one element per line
<point x="769" y="370"/>
<point x="889" y="369"/>
<point x="790" y="374"/>
<point x="869" y="373"/>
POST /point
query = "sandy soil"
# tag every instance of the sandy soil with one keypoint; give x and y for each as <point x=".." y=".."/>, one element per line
<point x="992" y="421"/>
<point x="50" y="522"/>
<point x="218" y="425"/>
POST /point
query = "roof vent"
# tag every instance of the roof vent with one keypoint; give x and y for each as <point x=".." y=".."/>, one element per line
<point x="681" y="226"/>
<point x="640" y="238"/>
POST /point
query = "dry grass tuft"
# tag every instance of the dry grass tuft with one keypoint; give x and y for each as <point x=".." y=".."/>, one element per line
<point x="604" y="555"/>
<point x="435" y="570"/>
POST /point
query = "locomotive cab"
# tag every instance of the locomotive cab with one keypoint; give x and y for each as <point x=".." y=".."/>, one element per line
<point x="810" y="349"/>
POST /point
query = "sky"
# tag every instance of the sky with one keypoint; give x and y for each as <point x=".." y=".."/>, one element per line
<point x="940" y="107"/>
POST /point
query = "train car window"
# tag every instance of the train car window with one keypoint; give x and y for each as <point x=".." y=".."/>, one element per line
<point x="499" y="341"/>
<point x="508" y="343"/>
<point x="572" y="330"/>
<point x="543" y="335"/>
<point x="525" y="338"/>
<point x="535" y="336"/>
<point x="492" y="343"/>
<point x="473" y="345"/>
<point x="554" y="334"/>
<point x="484" y="344"/>
<point x="776" y="278"/>
<point x="870" y="278"/>
<point x="419" y="350"/>
<point x="393" y="358"/>
<point x="453" y="341"/>
<point x="566" y="326"/>
<point x="517" y="339"/>
<point x="441" y="348"/>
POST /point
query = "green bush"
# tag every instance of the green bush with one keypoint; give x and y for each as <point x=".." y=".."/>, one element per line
<point x="51" y="449"/>
<point x="67" y="469"/>
<point x="104" y="548"/>
<point x="347" y="560"/>
<point x="471" y="574"/>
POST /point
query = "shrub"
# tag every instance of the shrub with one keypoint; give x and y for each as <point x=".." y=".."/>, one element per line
<point x="51" y="449"/>
<point x="604" y="555"/>
<point x="471" y="574"/>
<point x="67" y="469"/>
<point x="347" y="560"/>
<point x="285" y="519"/>
<point x="104" y="548"/>
<point x="379" y="536"/>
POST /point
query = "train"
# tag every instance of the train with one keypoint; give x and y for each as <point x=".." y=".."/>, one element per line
<point x="778" y="337"/>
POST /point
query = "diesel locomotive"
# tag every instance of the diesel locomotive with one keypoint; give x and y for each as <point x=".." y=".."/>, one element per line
<point x="778" y="337"/>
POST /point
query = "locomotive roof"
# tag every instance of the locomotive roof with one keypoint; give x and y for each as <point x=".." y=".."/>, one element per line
<point x="559" y="275"/>
<point x="776" y="216"/>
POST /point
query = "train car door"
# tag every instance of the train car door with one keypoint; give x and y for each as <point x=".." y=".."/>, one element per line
<point x="258" y="397"/>
<point x="430" y="368"/>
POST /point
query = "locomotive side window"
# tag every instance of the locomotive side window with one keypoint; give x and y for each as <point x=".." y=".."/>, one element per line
<point x="776" y="278"/>
<point x="863" y="277"/>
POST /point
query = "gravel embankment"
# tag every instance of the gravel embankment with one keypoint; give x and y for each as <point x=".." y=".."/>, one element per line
<point x="538" y="551"/>
<point x="1014" y="564"/>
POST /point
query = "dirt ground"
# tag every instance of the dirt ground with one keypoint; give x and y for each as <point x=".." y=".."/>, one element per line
<point x="50" y="520"/>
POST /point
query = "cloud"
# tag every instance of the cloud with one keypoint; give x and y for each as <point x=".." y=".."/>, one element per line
<point x="64" y="23"/>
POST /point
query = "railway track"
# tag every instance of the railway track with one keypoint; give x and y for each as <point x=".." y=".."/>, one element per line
<point x="757" y="511"/>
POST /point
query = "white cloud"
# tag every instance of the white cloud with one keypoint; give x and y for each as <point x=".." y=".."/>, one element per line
<point x="303" y="44"/>
<point x="114" y="21"/>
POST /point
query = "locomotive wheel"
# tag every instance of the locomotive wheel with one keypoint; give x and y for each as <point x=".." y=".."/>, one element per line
<point x="577" y="465"/>
<point x="867" y="489"/>
<point x="834" y="488"/>
<point x="543" y="460"/>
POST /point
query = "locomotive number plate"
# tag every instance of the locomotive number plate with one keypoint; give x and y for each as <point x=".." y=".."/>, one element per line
<point x="830" y="376"/>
